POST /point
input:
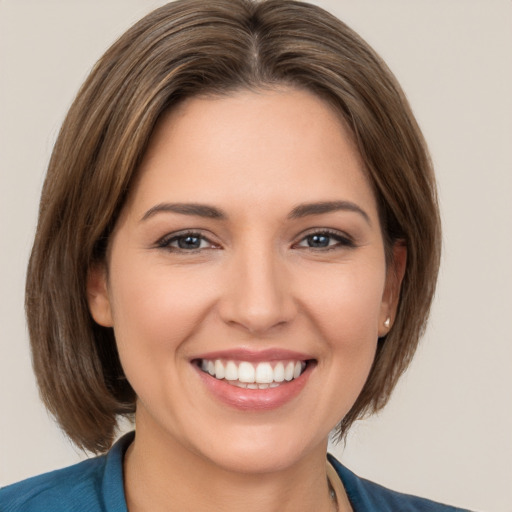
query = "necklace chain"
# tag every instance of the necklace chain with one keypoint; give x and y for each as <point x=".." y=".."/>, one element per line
<point x="332" y="496"/>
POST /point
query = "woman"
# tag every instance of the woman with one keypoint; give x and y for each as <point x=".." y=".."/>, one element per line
<point x="238" y="243"/>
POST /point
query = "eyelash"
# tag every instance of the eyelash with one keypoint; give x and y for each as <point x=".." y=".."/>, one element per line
<point x="342" y="241"/>
<point x="166" y="241"/>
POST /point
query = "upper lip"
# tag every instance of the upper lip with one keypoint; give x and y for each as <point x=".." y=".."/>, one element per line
<point x="255" y="356"/>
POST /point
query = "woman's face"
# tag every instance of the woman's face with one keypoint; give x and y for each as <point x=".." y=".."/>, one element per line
<point x="250" y="248"/>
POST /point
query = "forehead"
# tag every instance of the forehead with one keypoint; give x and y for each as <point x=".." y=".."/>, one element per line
<point x="253" y="147"/>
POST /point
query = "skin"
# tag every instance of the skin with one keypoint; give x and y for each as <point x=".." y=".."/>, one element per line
<point x="254" y="283"/>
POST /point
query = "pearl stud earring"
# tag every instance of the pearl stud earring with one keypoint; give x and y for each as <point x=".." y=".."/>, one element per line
<point x="387" y="322"/>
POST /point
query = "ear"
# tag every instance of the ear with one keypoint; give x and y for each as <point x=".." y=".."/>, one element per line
<point x="394" y="276"/>
<point x="97" y="295"/>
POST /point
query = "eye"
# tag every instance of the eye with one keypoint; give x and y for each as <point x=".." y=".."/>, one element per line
<point x="185" y="242"/>
<point x="325" y="240"/>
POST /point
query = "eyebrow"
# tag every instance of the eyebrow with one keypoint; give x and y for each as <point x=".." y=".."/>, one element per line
<point x="195" y="209"/>
<point x="211" y="212"/>
<point x="303" y="210"/>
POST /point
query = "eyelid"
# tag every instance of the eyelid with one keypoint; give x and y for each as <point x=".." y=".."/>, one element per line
<point x="165" y="241"/>
<point x="344" y="239"/>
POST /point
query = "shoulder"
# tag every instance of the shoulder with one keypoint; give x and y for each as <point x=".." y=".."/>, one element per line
<point x="70" y="488"/>
<point x="95" y="485"/>
<point x="366" y="496"/>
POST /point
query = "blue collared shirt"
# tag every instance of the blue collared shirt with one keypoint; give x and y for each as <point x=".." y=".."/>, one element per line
<point x="96" y="485"/>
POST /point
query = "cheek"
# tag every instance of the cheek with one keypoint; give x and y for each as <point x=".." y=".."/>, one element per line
<point x="345" y="304"/>
<point x="155" y="310"/>
<point x="343" y="308"/>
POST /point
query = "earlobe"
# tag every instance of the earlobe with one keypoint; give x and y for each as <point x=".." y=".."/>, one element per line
<point x="394" y="277"/>
<point x="97" y="295"/>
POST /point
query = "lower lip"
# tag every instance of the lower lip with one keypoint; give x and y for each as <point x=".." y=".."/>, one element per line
<point x="255" y="399"/>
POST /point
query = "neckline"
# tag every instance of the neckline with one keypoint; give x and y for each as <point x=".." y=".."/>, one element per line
<point x="337" y="485"/>
<point x="114" y="495"/>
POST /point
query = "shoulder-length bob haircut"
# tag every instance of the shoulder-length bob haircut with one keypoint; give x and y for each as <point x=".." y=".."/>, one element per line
<point x="212" y="47"/>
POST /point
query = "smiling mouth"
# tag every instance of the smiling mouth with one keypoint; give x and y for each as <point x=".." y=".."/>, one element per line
<point x="262" y="375"/>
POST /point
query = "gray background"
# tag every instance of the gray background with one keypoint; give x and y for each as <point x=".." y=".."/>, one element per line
<point x="447" y="433"/>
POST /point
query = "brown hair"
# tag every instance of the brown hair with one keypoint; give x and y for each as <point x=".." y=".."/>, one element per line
<point x="186" y="48"/>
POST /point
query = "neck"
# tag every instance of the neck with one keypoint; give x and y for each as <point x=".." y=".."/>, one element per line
<point x="161" y="474"/>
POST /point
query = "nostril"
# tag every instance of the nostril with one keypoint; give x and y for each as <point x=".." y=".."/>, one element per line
<point x="258" y="320"/>
<point x="259" y="299"/>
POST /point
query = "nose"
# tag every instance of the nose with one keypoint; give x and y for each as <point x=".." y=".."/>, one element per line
<point x="257" y="293"/>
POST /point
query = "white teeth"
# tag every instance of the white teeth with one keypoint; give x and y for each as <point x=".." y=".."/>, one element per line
<point x="247" y="375"/>
<point x="231" y="371"/>
<point x="219" y="370"/>
<point x="297" y="370"/>
<point x="264" y="373"/>
<point x="288" y="371"/>
<point x="279" y="372"/>
<point x="246" y="372"/>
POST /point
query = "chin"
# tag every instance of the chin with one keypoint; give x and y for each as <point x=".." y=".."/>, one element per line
<point x="262" y="449"/>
